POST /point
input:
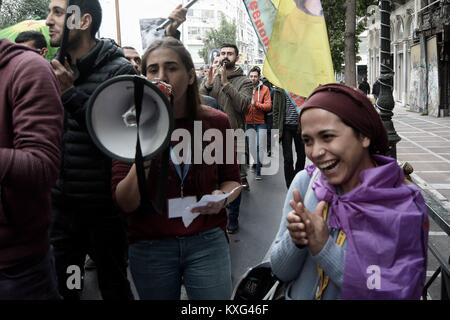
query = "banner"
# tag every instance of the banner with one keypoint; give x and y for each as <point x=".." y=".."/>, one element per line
<point x="148" y="31"/>
<point x="298" y="57"/>
<point x="262" y="14"/>
<point x="13" y="31"/>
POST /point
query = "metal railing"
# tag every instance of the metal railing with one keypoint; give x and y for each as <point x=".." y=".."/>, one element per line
<point x="441" y="216"/>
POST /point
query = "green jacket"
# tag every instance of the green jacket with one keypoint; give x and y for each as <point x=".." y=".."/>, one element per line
<point x="234" y="98"/>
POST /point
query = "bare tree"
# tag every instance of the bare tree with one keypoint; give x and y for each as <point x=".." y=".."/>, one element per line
<point x="350" y="38"/>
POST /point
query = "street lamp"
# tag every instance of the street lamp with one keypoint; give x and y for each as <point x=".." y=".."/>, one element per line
<point x="385" y="102"/>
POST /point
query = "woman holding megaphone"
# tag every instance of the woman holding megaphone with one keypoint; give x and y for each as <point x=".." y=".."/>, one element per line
<point x="178" y="245"/>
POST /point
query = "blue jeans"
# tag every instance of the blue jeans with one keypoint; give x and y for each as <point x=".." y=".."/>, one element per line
<point x="33" y="280"/>
<point x="201" y="262"/>
<point x="257" y="144"/>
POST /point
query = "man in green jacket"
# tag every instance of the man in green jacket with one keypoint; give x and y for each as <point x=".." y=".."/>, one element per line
<point x="233" y="91"/>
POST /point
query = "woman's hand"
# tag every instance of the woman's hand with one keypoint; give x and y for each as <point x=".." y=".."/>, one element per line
<point x="212" y="207"/>
<point x="306" y="228"/>
<point x="128" y="196"/>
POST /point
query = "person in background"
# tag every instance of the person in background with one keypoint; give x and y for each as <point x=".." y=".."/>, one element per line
<point x="206" y="99"/>
<point x="364" y="86"/>
<point x="134" y="57"/>
<point x="34" y="40"/>
<point x="210" y="102"/>
<point x="233" y="91"/>
<point x="203" y="72"/>
<point x="352" y="226"/>
<point x="254" y="119"/>
<point x="165" y="252"/>
<point x="268" y="117"/>
<point x="376" y="89"/>
<point x="31" y="125"/>
<point x="285" y="119"/>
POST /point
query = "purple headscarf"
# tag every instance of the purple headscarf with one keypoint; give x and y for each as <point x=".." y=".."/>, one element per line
<point x="386" y="224"/>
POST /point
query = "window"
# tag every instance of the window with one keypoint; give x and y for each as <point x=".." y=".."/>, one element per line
<point x="194" y="33"/>
<point x="207" y="14"/>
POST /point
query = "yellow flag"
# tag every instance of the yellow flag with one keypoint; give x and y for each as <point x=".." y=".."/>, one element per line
<point x="299" y="58"/>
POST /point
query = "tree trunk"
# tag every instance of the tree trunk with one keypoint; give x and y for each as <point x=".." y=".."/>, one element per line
<point x="350" y="38"/>
<point x="1" y="3"/>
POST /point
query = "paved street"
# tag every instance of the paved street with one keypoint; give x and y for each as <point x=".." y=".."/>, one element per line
<point x="425" y="145"/>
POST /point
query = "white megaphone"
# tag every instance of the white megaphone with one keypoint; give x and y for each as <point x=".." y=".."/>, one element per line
<point x="112" y="120"/>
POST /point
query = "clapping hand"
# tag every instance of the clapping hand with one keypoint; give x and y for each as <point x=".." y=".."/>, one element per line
<point x="307" y="228"/>
<point x="224" y="74"/>
<point x="210" y="76"/>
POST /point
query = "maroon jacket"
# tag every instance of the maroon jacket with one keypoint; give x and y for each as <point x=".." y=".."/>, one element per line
<point x="31" y="119"/>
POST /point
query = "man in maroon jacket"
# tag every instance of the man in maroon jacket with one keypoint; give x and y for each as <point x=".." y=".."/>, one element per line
<point x="31" y="119"/>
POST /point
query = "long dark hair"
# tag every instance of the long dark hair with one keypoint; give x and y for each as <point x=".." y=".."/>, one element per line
<point x="192" y="94"/>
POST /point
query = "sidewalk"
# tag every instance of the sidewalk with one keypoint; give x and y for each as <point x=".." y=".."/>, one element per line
<point x="425" y="145"/>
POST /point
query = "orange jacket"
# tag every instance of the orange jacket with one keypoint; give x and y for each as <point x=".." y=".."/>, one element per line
<point x="262" y="103"/>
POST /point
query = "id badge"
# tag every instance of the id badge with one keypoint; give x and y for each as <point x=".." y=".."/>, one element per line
<point x="181" y="206"/>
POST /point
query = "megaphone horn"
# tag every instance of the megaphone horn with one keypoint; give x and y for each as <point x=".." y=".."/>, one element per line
<point x="112" y="123"/>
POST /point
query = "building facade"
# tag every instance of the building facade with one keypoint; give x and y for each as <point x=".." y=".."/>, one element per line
<point x="206" y="15"/>
<point x="122" y="19"/>
<point x="420" y="37"/>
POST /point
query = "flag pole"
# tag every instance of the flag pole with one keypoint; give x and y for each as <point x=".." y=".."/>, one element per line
<point x="119" y="36"/>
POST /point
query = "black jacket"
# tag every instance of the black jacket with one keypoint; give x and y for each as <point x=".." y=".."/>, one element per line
<point x="84" y="184"/>
<point x="364" y="87"/>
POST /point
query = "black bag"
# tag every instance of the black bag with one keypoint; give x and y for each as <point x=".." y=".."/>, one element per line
<point x="259" y="283"/>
